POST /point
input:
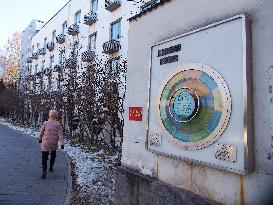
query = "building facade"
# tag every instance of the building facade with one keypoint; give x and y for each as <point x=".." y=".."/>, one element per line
<point x="76" y="63"/>
<point x="27" y="35"/>
<point x="82" y="32"/>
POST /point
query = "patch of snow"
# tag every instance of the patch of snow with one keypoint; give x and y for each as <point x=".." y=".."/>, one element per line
<point x="144" y="170"/>
<point x="29" y="131"/>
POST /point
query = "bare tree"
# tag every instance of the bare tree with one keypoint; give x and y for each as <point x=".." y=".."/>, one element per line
<point x="10" y="58"/>
<point x="88" y="95"/>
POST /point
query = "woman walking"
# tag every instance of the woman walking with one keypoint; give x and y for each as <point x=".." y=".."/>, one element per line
<point x="50" y="134"/>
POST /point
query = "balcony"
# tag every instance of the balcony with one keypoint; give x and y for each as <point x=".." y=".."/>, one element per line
<point x="90" y="18"/>
<point x="88" y="56"/>
<point x="42" y="51"/>
<point x="112" y="5"/>
<point x="58" y="68"/>
<point x="71" y="62"/>
<point x="47" y="71"/>
<point x="34" y="56"/>
<point x="111" y="46"/>
<point x="149" y="5"/>
<point x="29" y="59"/>
<point x="50" y="46"/>
<point x="60" y="38"/>
<point x="73" y="30"/>
<point x="39" y="75"/>
<point x="30" y="78"/>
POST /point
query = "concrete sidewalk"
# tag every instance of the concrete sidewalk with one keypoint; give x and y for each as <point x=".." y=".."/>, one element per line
<point x="21" y="169"/>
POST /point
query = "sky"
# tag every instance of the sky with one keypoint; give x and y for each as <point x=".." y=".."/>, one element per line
<point x="15" y="15"/>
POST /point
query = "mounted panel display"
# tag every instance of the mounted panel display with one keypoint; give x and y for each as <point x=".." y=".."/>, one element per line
<point x="200" y="107"/>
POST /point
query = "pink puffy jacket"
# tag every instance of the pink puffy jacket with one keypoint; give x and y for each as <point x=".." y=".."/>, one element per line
<point x="50" y="134"/>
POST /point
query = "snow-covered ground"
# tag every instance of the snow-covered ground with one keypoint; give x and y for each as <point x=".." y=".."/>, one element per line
<point x="95" y="170"/>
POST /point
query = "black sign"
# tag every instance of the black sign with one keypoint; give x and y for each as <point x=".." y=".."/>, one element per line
<point x="168" y="59"/>
<point x="169" y="50"/>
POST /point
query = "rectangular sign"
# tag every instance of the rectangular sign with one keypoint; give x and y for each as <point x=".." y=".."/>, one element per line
<point x="197" y="109"/>
<point x="135" y="113"/>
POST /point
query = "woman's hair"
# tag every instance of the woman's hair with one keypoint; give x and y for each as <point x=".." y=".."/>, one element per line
<point x="53" y="115"/>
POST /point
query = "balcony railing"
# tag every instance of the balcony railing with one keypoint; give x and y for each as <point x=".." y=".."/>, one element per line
<point x="90" y="18"/>
<point x="60" y="38"/>
<point x="150" y="5"/>
<point x="71" y="62"/>
<point x="34" y="56"/>
<point x="42" y="51"/>
<point x="111" y="46"/>
<point x="88" y="56"/>
<point x="73" y="30"/>
<point x="112" y="5"/>
<point x="47" y="71"/>
<point x="30" y="78"/>
<point x="39" y="75"/>
<point x="58" y="67"/>
<point x="29" y="59"/>
<point x="50" y="46"/>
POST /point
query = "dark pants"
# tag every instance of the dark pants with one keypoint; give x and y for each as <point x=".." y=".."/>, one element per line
<point x="45" y="158"/>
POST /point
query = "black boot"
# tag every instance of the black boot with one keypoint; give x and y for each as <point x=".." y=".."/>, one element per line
<point x="43" y="175"/>
<point x="52" y="161"/>
<point x="44" y="163"/>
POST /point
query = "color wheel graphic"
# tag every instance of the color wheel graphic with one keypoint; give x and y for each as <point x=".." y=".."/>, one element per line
<point x="195" y="107"/>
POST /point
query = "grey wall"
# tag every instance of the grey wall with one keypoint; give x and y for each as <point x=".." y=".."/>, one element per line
<point x="134" y="188"/>
<point x="172" y="19"/>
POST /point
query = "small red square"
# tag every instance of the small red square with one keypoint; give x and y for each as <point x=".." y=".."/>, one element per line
<point x="135" y="113"/>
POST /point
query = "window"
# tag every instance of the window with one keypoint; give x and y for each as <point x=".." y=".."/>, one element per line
<point x="32" y="49"/>
<point x="114" y="66"/>
<point x="51" y="60"/>
<point x="45" y="41"/>
<point x="94" y="5"/>
<point x="33" y="86"/>
<point x="115" y="30"/>
<point x="53" y="36"/>
<point x="49" y="83"/>
<point x="38" y="45"/>
<point x="59" y="81"/>
<point x="43" y="65"/>
<point x="77" y="17"/>
<point x="41" y="85"/>
<point x="35" y="69"/>
<point x="75" y="49"/>
<point x="61" y="57"/>
<point x="64" y="28"/>
<point x="92" y="42"/>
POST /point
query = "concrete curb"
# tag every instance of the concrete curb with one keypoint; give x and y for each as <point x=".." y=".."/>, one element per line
<point x="69" y="180"/>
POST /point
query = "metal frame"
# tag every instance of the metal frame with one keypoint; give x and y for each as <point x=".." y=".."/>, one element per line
<point x="110" y="29"/>
<point x="89" y="42"/>
<point x="247" y="97"/>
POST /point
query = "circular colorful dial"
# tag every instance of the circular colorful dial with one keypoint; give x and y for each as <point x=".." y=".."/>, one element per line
<point x="194" y="108"/>
<point x="184" y="104"/>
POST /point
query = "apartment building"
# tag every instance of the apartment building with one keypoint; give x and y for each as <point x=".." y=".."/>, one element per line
<point x="28" y="33"/>
<point x="78" y="34"/>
